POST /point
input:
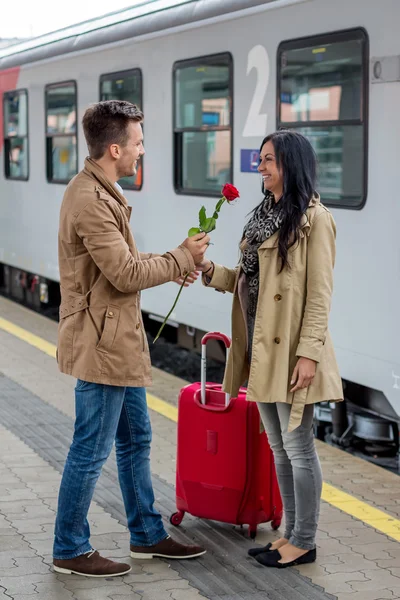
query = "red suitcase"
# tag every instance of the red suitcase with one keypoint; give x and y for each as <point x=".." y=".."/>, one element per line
<point x="225" y="467"/>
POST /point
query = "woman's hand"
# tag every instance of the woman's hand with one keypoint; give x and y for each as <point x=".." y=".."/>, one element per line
<point x="303" y="374"/>
<point x="204" y="266"/>
<point x="191" y="278"/>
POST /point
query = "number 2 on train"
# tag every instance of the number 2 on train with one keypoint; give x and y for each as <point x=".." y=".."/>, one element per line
<point x="256" y="123"/>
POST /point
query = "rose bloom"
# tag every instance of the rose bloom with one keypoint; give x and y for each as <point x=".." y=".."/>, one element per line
<point x="230" y="192"/>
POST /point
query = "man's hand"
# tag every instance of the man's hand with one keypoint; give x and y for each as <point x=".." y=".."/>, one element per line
<point x="197" y="246"/>
<point x="191" y="278"/>
<point x="303" y="374"/>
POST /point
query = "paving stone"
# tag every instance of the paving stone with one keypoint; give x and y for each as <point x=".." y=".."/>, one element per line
<point x="313" y="570"/>
<point x="377" y="580"/>
<point x="106" y="526"/>
<point x="23" y="493"/>
<point x="53" y="591"/>
<point x="226" y="562"/>
<point x="365" y="537"/>
<point x="367" y="595"/>
<point x="353" y="562"/>
<point x="34" y="513"/>
<point x="107" y="541"/>
<point x="41" y="547"/>
<point x="26" y="566"/>
<point x="15" y="507"/>
<point x="130" y="596"/>
<point x="26" y="552"/>
<point x="100" y="592"/>
<point x="78" y="583"/>
<point x="26" y="584"/>
<point x="7" y="562"/>
<point x="38" y="474"/>
<point x="31" y="525"/>
<point x="12" y="542"/>
<point x="189" y="594"/>
<point x="377" y="550"/>
<point x="40" y="536"/>
<point x="332" y="547"/>
<point x="389" y="562"/>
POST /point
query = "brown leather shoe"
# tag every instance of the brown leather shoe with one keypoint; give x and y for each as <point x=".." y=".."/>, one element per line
<point x="91" y="564"/>
<point x="167" y="548"/>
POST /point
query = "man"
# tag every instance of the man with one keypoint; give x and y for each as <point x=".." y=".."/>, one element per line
<point x="103" y="344"/>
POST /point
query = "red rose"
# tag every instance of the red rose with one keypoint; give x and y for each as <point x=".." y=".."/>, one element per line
<point x="230" y="192"/>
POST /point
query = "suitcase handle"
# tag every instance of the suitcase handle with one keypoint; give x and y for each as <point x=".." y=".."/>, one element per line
<point x="213" y="335"/>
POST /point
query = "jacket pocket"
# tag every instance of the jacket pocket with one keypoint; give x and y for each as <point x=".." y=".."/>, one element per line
<point x="110" y="329"/>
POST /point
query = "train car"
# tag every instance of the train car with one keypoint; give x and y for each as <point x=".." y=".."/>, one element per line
<point x="212" y="78"/>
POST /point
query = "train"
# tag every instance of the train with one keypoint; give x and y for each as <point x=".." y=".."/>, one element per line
<point x="213" y="78"/>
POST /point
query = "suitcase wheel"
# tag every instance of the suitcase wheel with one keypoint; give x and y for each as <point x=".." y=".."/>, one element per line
<point x="253" y="532"/>
<point x="276" y="523"/>
<point x="176" y="518"/>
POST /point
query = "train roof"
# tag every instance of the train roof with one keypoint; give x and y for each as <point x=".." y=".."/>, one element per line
<point x="145" y="18"/>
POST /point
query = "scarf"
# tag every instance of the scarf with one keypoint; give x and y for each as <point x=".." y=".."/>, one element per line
<point x="264" y="222"/>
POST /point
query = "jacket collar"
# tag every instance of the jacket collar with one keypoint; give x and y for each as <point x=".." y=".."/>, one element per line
<point x="95" y="171"/>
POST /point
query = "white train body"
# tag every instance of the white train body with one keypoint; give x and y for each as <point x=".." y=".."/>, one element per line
<point x="364" y="322"/>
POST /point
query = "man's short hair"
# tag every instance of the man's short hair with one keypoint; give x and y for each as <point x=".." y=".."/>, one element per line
<point x="106" y="123"/>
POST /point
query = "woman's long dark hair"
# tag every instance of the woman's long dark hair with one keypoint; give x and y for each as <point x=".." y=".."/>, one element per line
<point x="296" y="157"/>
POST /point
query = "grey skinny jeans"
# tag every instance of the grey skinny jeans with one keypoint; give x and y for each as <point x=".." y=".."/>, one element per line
<point x="298" y="470"/>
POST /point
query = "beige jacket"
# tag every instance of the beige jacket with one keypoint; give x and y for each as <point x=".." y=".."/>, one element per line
<point x="101" y="337"/>
<point x="291" y="321"/>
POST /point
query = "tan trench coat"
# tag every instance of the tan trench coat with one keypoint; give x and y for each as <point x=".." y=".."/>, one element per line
<point x="291" y="320"/>
<point x="101" y="337"/>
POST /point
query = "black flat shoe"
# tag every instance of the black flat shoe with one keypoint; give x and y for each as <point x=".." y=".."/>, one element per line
<point x="272" y="558"/>
<point x="260" y="550"/>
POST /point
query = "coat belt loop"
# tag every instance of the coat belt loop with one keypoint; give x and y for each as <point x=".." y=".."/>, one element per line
<point x="296" y="413"/>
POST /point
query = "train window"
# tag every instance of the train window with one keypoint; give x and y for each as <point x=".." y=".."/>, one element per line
<point x="323" y="93"/>
<point x="16" y="148"/>
<point x="61" y="146"/>
<point x="125" y="85"/>
<point x="203" y="116"/>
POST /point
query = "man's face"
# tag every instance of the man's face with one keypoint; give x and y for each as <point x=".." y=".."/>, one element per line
<point x="132" y="152"/>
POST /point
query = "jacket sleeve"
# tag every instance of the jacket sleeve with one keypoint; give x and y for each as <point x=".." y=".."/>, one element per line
<point x="223" y="279"/>
<point x="147" y="255"/>
<point x="320" y="263"/>
<point x="99" y="228"/>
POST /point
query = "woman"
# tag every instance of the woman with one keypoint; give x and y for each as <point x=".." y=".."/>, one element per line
<point x="282" y="294"/>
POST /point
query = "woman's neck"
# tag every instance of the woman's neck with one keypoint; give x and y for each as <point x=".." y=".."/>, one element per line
<point x="277" y="196"/>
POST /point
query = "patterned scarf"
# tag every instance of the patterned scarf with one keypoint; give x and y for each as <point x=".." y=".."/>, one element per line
<point x="265" y="221"/>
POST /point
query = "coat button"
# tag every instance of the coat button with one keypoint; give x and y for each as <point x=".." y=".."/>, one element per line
<point x="110" y="313"/>
<point x="137" y="325"/>
<point x="277" y="340"/>
<point x="277" y="298"/>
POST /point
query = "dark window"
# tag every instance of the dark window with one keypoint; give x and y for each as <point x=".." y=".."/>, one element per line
<point x="61" y="146"/>
<point x="125" y="85"/>
<point x="323" y="93"/>
<point x="16" y="147"/>
<point x="203" y="124"/>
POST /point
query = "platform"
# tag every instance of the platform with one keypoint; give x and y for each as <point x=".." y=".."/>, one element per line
<point x="358" y="536"/>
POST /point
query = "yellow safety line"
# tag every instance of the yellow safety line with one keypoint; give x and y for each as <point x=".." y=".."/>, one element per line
<point x="361" y="510"/>
<point x="347" y="503"/>
<point x="163" y="408"/>
<point x="29" y="338"/>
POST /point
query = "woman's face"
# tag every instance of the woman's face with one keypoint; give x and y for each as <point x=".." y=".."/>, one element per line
<point x="272" y="176"/>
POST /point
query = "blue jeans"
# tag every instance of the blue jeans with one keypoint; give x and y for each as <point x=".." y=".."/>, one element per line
<point x="298" y="470"/>
<point x="105" y="413"/>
